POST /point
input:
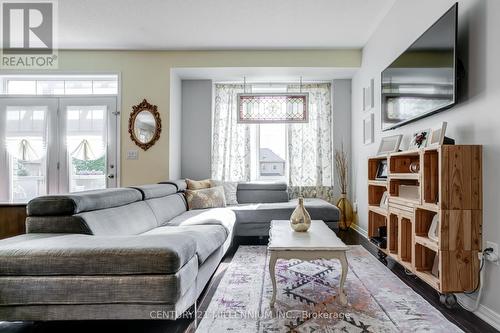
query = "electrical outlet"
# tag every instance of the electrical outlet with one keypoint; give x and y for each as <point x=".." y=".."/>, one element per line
<point x="355" y="207"/>
<point x="493" y="254"/>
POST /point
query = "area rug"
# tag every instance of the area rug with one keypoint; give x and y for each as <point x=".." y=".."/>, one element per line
<point x="378" y="301"/>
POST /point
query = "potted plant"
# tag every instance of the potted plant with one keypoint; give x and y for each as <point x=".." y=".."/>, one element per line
<point x="343" y="204"/>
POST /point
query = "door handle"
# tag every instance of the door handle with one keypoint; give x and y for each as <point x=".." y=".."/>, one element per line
<point x="111" y="176"/>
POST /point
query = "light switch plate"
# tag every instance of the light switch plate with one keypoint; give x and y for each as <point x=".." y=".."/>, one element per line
<point x="132" y="154"/>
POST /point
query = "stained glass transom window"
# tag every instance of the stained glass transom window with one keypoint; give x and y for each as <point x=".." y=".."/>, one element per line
<point x="273" y="108"/>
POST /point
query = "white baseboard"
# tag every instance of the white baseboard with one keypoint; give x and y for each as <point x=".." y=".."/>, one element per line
<point x="483" y="312"/>
<point x="359" y="230"/>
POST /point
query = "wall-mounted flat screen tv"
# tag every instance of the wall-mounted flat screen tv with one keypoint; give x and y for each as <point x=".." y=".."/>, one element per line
<point x="422" y="80"/>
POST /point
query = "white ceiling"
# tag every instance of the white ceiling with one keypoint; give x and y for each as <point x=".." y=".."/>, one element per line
<point x="218" y="24"/>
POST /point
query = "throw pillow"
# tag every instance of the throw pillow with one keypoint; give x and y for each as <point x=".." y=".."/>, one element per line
<point x="206" y="198"/>
<point x="197" y="184"/>
<point x="230" y="189"/>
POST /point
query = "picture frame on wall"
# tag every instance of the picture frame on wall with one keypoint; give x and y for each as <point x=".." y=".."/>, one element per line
<point x="389" y="144"/>
<point x="437" y="135"/>
<point x="369" y="96"/>
<point x="368" y="135"/>
<point x="419" y="139"/>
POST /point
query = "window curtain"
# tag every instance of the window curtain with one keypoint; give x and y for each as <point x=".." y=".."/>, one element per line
<point x="310" y="147"/>
<point x="231" y="156"/>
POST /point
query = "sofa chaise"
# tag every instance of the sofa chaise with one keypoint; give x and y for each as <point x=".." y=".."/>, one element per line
<point x="128" y="253"/>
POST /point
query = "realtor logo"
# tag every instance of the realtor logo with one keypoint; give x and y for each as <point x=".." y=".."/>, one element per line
<point x="28" y="31"/>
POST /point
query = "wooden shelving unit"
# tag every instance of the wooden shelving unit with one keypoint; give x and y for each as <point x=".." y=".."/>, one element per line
<point x="448" y="184"/>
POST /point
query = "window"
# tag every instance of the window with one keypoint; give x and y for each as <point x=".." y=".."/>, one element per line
<point x="59" y="85"/>
<point x="298" y="152"/>
<point x="271" y="151"/>
<point x="272" y="107"/>
<point x="52" y="145"/>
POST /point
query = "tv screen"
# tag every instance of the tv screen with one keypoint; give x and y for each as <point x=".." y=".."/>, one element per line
<point x="422" y="80"/>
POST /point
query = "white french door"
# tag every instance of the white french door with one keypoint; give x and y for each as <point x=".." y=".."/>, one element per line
<point x="87" y="157"/>
<point x="56" y="145"/>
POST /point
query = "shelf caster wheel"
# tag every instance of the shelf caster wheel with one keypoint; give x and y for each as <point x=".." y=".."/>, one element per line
<point x="448" y="300"/>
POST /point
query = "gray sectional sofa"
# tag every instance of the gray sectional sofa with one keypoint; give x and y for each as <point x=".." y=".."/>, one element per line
<point x="128" y="253"/>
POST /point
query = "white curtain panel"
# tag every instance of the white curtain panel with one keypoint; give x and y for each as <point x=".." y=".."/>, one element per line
<point x="310" y="146"/>
<point x="231" y="156"/>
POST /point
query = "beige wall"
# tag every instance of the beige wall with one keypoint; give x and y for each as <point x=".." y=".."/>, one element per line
<point x="146" y="74"/>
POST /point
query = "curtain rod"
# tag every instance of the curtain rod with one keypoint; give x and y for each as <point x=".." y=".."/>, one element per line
<point x="272" y="83"/>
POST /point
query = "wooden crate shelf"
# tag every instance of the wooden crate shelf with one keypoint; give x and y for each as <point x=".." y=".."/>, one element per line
<point x="375" y="194"/>
<point x="403" y="176"/>
<point x="373" y="164"/>
<point x="378" y="183"/>
<point x="379" y="210"/>
<point x="428" y="278"/>
<point x="392" y="233"/>
<point x="430" y="172"/>
<point x="405" y="239"/>
<point x="376" y="220"/>
<point x="428" y="243"/>
<point x="449" y="181"/>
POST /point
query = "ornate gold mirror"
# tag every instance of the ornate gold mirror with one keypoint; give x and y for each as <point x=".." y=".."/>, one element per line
<point x="144" y="125"/>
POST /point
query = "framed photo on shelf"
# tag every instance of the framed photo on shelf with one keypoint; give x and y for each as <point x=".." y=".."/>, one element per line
<point x="419" y="139"/>
<point x="437" y="135"/>
<point x="381" y="170"/>
<point x="433" y="233"/>
<point x="368" y="129"/>
<point x="384" y="201"/>
<point x="389" y="144"/>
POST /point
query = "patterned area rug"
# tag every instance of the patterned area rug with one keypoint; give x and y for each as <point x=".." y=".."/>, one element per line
<point x="378" y="301"/>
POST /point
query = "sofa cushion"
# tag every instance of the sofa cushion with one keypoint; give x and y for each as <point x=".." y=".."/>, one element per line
<point x="208" y="238"/>
<point x="156" y="190"/>
<point x="131" y="219"/>
<point x="57" y="224"/>
<point x="261" y="196"/>
<point x="256" y="192"/>
<point x="69" y="204"/>
<point x="94" y="255"/>
<point x="179" y="183"/>
<point x="197" y="184"/>
<point x="265" y="212"/>
<point x="212" y="216"/>
<point x="166" y="208"/>
<point x="99" y="289"/>
<point x="252" y="186"/>
<point x="206" y="198"/>
<point x="230" y="189"/>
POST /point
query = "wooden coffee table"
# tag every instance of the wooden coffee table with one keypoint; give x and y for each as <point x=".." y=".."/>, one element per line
<point x="319" y="242"/>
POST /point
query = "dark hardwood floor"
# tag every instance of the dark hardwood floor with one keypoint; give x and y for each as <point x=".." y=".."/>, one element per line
<point x="467" y="321"/>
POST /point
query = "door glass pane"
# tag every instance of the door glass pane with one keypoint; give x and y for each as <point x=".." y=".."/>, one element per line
<point x="50" y="87"/>
<point x="109" y="87"/>
<point x="86" y="147"/>
<point x="78" y="87"/>
<point x="26" y="140"/>
<point x="21" y="87"/>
